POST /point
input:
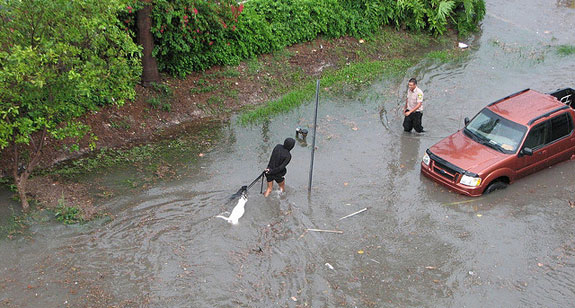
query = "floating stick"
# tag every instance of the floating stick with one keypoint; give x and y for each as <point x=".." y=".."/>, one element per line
<point x="327" y="231"/>
<point x="353" y="214"/>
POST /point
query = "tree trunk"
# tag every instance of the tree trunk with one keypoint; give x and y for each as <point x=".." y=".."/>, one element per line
<point x="21" y="178"/>
<point x="145" y="38"/>
<point x="21" y="186"/>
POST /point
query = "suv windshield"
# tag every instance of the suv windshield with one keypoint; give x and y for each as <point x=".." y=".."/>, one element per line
<point x="495" y="131"/>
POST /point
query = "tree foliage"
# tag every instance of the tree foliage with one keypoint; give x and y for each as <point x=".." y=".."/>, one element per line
<point x="58" y="60"/>
<point x="192" y="35"/>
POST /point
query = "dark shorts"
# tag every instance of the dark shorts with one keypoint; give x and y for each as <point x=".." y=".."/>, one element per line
<point x="275" y="177"/>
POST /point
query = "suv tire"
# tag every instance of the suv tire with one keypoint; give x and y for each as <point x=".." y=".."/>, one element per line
<point x="496" y="185"/>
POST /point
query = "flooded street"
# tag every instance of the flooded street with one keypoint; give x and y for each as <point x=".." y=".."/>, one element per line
<point x="417" y="245"/>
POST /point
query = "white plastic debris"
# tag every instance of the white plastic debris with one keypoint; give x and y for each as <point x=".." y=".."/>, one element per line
<point x="462" y="45"/>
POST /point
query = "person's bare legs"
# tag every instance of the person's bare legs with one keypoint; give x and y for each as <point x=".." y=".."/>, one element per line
<point x="282" y="186"/>
<point x="269" y="189"/>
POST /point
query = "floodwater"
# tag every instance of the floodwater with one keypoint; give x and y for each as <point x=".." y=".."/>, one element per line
<point x="417" y="245"/>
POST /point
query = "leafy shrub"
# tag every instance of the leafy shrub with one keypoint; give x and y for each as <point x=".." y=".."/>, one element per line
<point x="163" y="89"/>
<point x="192" y="35"/>
<point x="68" y="215"/>
<point x="162" y="99"/>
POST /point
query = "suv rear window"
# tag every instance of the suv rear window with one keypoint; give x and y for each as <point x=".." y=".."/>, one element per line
<point x="549" y="131"/>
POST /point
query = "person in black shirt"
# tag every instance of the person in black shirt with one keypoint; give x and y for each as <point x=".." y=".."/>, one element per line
<point x="276" y="169"/>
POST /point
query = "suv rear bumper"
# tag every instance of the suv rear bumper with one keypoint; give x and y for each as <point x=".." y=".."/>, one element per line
<point x="452" y="185"/>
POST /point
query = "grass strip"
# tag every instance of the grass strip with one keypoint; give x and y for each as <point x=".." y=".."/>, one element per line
<point x="358" y="74"/>
<point x="566" y="50"/>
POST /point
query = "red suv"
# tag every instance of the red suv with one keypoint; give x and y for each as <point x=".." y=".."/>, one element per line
<point x="510" y="138"/>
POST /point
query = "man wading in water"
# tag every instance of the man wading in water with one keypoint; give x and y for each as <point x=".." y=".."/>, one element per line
<point x="277" y="166"/>
<point x="413" y="109"/>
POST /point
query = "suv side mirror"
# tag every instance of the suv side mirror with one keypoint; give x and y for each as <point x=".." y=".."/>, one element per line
<point x="466" y="121"/>
<point x="526" y="151"/>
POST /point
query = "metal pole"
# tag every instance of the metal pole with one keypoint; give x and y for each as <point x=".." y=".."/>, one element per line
<point x="314" y="131"/>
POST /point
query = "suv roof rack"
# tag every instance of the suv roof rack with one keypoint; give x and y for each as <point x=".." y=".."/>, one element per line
<point x="509" y="96"/>
<point x="547" y="114"/>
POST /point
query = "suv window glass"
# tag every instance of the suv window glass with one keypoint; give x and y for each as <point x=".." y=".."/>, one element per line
<point x="493" y="130"/>
<point x="559" y="127"/>
<point x="536" y="137"/>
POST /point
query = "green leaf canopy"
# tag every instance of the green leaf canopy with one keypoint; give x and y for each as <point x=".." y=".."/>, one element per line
<point x="58" y="60"/>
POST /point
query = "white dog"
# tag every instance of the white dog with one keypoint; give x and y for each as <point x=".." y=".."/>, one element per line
<point x="238" y="210"/>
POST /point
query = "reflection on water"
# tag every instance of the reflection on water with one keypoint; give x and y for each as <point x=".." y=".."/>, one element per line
<point x="417" y="245"/>
<point x="410" y="152"/>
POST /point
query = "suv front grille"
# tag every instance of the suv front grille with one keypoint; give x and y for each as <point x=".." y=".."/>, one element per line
<point x="444" y="171"/>
<point x="444" y="174"/>
<point x="449" y="170"/>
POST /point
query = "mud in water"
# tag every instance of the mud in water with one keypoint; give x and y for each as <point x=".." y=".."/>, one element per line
<point x="417" y="245"/>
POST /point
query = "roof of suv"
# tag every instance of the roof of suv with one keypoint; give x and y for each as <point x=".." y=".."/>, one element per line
<point x="524" y="106"/>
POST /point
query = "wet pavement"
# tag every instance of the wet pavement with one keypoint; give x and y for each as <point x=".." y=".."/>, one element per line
<point x="417" y="245"/>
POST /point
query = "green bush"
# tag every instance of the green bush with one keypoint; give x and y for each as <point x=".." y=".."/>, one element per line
<point x="68" y="215"/>
<point x="162" y="98"/>
<point x="193" y="35"/>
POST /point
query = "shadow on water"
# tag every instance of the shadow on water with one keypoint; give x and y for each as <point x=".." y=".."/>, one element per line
<point x="417" y="245"/>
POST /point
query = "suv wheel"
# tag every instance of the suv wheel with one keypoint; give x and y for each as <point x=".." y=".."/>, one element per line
<point x="495" y="186"/>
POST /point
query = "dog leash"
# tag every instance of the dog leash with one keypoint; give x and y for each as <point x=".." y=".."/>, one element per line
<point x="245" y="188"/>
<point x="256" y="180"/>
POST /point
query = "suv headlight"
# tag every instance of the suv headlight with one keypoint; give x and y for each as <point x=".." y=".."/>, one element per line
<point x="470" y="181"/>
<point x="426" y="159"/>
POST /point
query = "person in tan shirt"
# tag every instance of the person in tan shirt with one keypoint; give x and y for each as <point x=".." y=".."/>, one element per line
<point x="413" y="109"/>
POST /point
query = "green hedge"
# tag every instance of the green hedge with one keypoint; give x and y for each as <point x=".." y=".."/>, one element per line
<point x="194" y="35"/>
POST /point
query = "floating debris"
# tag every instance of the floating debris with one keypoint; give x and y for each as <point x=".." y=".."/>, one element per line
<point x="353" y="214"/>
<point x="326" y="231"/>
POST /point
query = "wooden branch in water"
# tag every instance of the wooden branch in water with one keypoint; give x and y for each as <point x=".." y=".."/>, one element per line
<point x="353" y="214"/>
<point x="327" y="231"/>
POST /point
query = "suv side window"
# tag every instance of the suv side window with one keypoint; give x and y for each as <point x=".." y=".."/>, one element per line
<point x="560" y="127"/>
<point x="536" y="137"/>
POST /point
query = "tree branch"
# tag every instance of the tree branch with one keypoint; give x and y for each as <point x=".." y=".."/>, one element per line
<point x="15" y="170"/>
<point x="36" y="156"/>
<point x="33" y="143"/>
